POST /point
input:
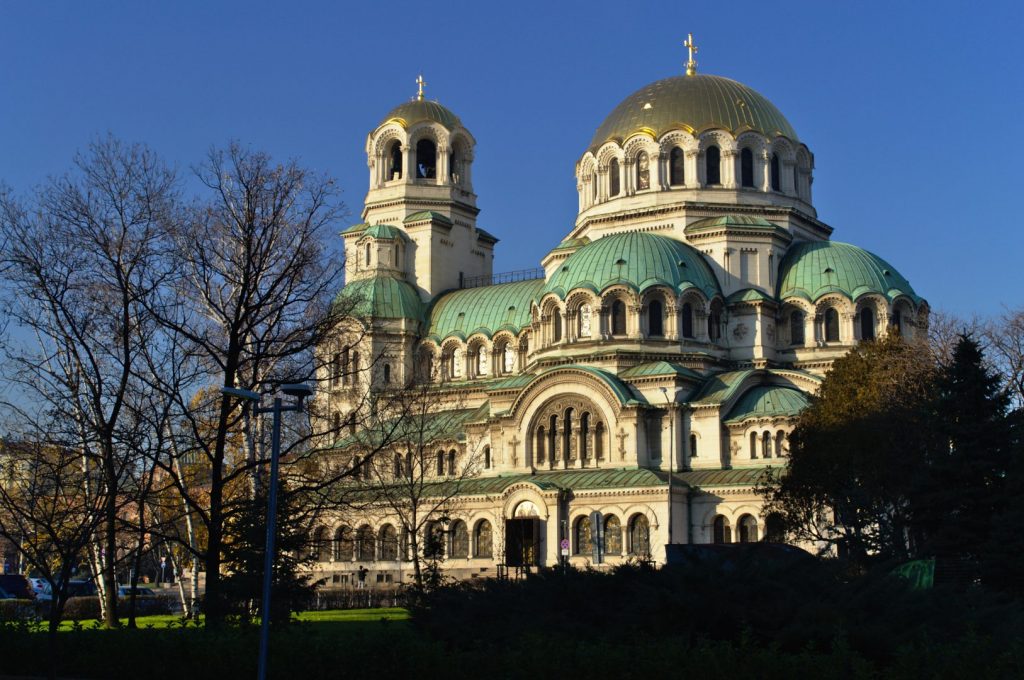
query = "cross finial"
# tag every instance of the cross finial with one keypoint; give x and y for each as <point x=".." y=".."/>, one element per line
<point x="691" y="65"/>
<point x="420" y="82"/>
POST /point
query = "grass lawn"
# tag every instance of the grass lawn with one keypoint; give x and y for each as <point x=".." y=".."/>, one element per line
<point x="328" y="616"/>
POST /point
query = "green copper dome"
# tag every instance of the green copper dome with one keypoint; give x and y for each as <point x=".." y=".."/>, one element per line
<point x="419" y="110"/>
<point x="767" y="401"/>
<point x="637" y="260"/>
<point x="812" y="269"/>
<point x="487" y="310"/>
<point x="381" y="297"/>
<point x="694" y="103"/>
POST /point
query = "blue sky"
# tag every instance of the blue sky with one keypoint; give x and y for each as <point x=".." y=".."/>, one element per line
<point x="911" y="109"/>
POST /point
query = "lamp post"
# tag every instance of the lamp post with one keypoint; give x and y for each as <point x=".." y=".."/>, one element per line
<point x="300" y="392"/>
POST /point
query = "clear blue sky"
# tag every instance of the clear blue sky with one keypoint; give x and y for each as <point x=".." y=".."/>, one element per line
<point x="911" y="109"/>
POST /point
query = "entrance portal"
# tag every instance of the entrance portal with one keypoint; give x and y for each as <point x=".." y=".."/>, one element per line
<point x="522" y="542"/>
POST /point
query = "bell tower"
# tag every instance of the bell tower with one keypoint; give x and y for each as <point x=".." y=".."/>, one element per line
<point x="420" y="159"/>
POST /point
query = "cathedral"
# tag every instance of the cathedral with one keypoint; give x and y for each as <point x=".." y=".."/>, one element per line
<point x="628" y="393"/>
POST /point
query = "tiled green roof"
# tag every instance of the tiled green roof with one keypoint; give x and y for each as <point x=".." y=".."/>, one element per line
<point x="734" y="477"/>
<point x="572" y="243"/>
<point x="637" y="260"/>
<point x="748" y="295"/>
<point x="416" y="111"/>
<point x="512" y="382"/>
<point x="486" y="235"/>
<point x="565" y="479"/>
<point x="719" y="387"/>
<point x="427" y="215"/>
<point x="656" y="368"/>
<point x="356" y="228"/>
<point x="812" y="269"/>
<point x="417" y="430"/>
<point x="698" y="102"/>
<point x="385" y="231"/>
<point x="487" y="309"/>
<point x="746" y="222"/>
<point x="767" y="401"/>
<point x="381" y="297"/>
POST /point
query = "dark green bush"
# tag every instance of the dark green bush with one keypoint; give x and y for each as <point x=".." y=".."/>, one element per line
<point x="17" y="610"/>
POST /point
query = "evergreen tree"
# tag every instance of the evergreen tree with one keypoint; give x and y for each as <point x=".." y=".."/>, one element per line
<point x="245" y="542"/>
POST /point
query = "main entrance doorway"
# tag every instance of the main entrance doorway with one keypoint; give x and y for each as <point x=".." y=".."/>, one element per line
<point x="522" y="542"/>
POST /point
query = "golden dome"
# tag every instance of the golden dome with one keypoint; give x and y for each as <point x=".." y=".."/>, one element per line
<point x="694" y="103"/>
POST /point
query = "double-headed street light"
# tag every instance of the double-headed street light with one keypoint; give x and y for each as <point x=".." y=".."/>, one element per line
<point x="299" y="391"/>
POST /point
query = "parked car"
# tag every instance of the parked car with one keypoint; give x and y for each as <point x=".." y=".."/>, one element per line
<point x="41" y="589"/>
<point x="18" y="585"/>
<point x="145" y="601"/>
<point x="4" y="595"/>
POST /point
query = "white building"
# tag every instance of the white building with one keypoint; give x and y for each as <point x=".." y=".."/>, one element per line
<point x="677" y="328"/>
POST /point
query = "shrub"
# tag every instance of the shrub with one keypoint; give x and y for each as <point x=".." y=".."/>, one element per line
<point x="17" y="610"/>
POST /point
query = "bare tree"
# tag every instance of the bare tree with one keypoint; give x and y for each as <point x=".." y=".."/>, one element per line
<point x="417" y="466"/>
<point x="1004" y="340"/>
<point x="250" y="300"/>
<point x="45" y="513"/>
<point x="77" y="262"/>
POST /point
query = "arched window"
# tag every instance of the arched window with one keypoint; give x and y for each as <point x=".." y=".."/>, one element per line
<point x="426" y="159"/>
<point x="715" y="321"/>
<point x="487" y="457"/>
<point x="440" y="463"/>
<point x="426" y="365"/>
<point x="388" y="538"/>
<point x="366" y="255"/>
<point x="612" y="535"/>
<point x="357" y="468"/>
<point x="451" y="463"/>
<point x="581" y="544"/>
<point x="831" y="325"/>
<point x="613" y="178"/>
<point x="897" y="321"/>
<point x="867" y="324"/>
<point x="747" y="168"/>
<point x="483" y="539"/>
<point x="713" y="165"/>
<point x="365" y="545"/>
<point x="344" y="549"/>
<point x="687" y="320"/>
<point x="433" y="540"/>
<point x="460" y="539"/>
<point x="639" y="536"/>
<point x="753" y="445"/>
<point x="721" y="530"/>
<point x="541" y="443"/>
<point x="567" y="433"/>
<point x="776" y="186"/>
<point x="387" y="374"/>
<point x="584" y="436"/>
<point x="599" y="441"/>
<point x="766" y="445"/>
<point x="552" y="434"/>
<point x="593" y="186"/>
<point x="676" y="167"/>
<point x="779" y="436"/>
<point x="748" y="529"/>
<point x="320" y="545"/>
<point x="773" y="529"/>
<point x="395" y="171"/>
<point x="693" y="446"/>
<point x="336" y="369"/>
<point x="556" y="325"/>
<point x="336" y="422"/>
<point x="355" y="365"/>
<point x="618" y="317"/>
<point x="655" y="319"/>
<point x="398" y="467"/>
<point x="643" y="171"/>
<point x="796" y="328"/>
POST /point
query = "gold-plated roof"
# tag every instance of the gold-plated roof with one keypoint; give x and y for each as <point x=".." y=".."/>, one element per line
<point x="694" y="103"/>
<point x="410" y="113"/>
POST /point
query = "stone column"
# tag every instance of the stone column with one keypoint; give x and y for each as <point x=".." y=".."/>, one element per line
<point x="633" y="320"/>
<point x="729" y="160"/>
<point x="700" y="325"/>
<point x="694" y="177"/>
<point x="786" y="183"/>
<point x="671" y="322"/>
<point x="766" y="170"/>
<point x="441" y="161"/>
<point x="627" y="180"/>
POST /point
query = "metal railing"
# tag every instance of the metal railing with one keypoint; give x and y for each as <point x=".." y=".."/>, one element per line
<point x="504" y="277"/>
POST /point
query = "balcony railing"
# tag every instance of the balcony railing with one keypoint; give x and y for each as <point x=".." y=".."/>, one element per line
<point x="504" y="277"/>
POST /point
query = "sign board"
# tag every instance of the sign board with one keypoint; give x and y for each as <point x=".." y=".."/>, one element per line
<point x="564" y="546"/>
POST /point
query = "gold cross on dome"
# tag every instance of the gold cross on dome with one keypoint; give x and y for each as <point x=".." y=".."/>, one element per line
<point x="691" y="65"/>
<point x="420" y="82"/>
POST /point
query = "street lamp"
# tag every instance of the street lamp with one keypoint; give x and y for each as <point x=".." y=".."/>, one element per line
<point x="300" y="392"/>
